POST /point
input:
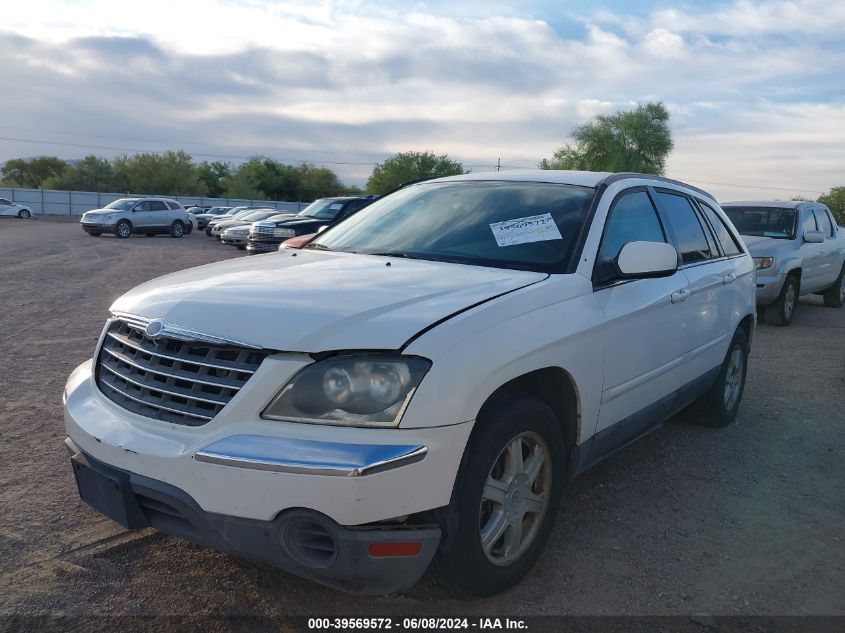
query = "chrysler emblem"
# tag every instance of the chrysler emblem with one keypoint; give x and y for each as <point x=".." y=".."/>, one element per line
<point x="154" y="328"/>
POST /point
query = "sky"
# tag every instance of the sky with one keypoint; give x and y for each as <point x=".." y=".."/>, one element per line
<point x="756" y="89"/>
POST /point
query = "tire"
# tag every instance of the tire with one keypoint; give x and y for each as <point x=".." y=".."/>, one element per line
<point x="834" y="297"/>
<point x="123" y="229"/>
<point x="24" y="214"/>
<point x="718" y="407"/>
<point x="241" y="248"/>
<point x="782" y="311"/>
<point x="189" y="228"/>
<point x="208" y="232"/>
<point x="463" y="564"/>
<point x="177" y="229"/>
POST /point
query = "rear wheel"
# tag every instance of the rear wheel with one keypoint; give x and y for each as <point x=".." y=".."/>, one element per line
<point x="506" y="497"/>
<point x="783" y="309"/>
<point x="24" y="214"/>
<point x="177" y="229"/>
<point x="834" y="296"/>
<point x="123" y="229"/>
<point x="718" y="407"/>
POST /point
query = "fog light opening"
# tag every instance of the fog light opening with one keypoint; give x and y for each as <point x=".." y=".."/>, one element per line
<point x="395" y="548"/>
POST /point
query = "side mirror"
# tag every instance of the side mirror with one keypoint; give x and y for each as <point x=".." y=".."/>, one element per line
<point x="813" y="237"/>
<point x="638" y="260"/>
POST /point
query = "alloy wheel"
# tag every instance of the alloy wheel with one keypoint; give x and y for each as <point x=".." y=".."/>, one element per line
<point x="515" y="498"/>
<point x="789" y="301"/>
<point x="733" y="377"/>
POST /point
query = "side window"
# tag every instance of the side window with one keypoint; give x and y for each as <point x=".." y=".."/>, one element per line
<point x="692" y="242"/>
<point x="157" y="205"/>
<point x="823" y="222"/>
<point x="4" y="202"/>
<point x="174" y="205"/>
<point x="725" y="237"/>
<point x="144" y="205"/>
<point x="809" y="223"/>
<point x="632" y="219"/>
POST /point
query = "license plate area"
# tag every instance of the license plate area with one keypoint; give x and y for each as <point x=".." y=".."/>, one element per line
<point x="107" y="491"/>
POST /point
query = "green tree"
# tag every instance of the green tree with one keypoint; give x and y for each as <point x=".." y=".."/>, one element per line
<point x="213" y="175"/>
<point x="170" y="173"/>
<point x="243" y="182"/>
<point x="406" y="166"/>
<point x="835" y="201"/>
<point x="31" y="174"/>
<point x="637" y="140"/>
<point x="318" y="182"/>
<point x="92" y="173"/>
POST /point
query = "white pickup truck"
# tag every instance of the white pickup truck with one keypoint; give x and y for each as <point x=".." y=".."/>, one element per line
<point x="797" y="249"/>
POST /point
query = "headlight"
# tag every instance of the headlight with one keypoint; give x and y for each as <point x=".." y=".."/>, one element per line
<point x="284" y="232"/>
<point x="109" y="217"/>
<point x="350" y="390"/>
<point x="763" y="262"/>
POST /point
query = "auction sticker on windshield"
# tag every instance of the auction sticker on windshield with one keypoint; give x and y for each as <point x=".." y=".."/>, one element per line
<point x="534" y="228"/>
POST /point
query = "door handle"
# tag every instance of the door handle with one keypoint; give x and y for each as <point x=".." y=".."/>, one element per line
<point x="680" y="295"/>
<point x="729" y="278"/>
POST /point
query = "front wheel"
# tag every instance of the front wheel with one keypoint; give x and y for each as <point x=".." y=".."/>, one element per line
<point x="506" y="497"/>
<point x="834" y="296"/>
<point x="24" y="214"/>
<point x="783" y="309"/>
<point x="123" y="229"/>
<point x="718" y="407"/>
<point x="177" y="229"/>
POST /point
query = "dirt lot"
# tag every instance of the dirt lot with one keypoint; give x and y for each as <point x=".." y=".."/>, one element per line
<point x="745" y="520"/>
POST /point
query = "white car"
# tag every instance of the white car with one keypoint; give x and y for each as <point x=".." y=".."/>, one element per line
<point x="420" y="383"/>
<point x="13" y="209"/>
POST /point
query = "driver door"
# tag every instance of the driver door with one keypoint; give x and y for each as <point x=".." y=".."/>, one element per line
<point x="141" y="215"/>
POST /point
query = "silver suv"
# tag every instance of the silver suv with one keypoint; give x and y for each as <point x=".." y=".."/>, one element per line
<point x="149" y="216"/>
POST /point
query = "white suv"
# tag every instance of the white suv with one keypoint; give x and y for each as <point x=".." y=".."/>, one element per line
<point x="421" y="381"/>
<point x="149" y="216"/>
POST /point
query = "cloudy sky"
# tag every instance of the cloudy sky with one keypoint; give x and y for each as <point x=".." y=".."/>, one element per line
<point x="756" y="89"/>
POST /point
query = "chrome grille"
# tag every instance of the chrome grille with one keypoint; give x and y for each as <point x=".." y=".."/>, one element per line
<point x="170" y="379"/>
<point x="262" y="230"/>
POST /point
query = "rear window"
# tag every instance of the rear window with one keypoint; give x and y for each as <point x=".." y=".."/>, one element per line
<point x="725" y="237"/>
<point x="692" y="242"/>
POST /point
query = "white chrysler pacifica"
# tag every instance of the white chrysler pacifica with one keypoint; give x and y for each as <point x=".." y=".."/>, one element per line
<point x="418" y="384"/>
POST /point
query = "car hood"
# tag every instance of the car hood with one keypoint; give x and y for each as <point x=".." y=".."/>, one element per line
<point x="308" y="301"/>
<point x="101" y="212"/>
<point x="760" y="246"/>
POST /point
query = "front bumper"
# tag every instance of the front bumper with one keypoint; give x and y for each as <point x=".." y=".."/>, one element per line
<point x="769" y="287"/>
<point x="98" y="227"/>
<point x="267" y="245"/>
<point x="234" y="241"/>
<point x="240" y="465"/>
<point x="303" y="542"/>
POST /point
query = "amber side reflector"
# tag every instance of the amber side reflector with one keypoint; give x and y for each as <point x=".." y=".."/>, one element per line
<point x="395" y="548"/>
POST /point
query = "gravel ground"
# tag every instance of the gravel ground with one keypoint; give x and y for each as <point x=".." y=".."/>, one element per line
<point x="747" y="520"/>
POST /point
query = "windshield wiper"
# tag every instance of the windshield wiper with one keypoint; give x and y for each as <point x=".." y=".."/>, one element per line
<point x="317" y="246"/>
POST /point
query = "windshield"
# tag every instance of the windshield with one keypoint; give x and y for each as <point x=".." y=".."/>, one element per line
<point x="124" y="204"/>
<point x="522" y="225"/>
<point x="763" y="221"/>
<point x="323" y="209"/>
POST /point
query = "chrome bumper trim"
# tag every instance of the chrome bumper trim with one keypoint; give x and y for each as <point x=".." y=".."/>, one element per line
<point x="309" y="457"/>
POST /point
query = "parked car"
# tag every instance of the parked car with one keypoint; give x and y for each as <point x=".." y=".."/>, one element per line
<point x="233" y="213"/>
<point x="244" y="220"/>
<point x="204" y="217"/>
<point x="420" y="383"/>
<point x="13" y="209"/>
<point x="149" y="216"/>
<point x="236" y="236"/>
<point x="798" y="250"/>
<point x="265" y="236"/>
